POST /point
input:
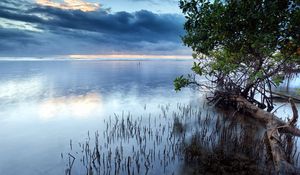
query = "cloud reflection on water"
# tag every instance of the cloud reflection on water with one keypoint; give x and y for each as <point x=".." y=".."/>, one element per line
<point x="18" y="89"/>
<point x="79" y="106"/>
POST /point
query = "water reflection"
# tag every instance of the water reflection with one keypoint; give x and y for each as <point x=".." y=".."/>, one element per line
<point x="45" y="103"/>
<point x="188" y="140"/>
<point x="292" y="83"/>
<point x="80" y="106"/>
<point x="290" y="86"/>
<point x="18" y="89"/>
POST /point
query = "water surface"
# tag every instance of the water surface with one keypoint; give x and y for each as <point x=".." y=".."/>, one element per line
<point x="44" y="104"/>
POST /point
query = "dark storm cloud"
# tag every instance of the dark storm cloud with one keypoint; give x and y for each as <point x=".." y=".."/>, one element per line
<point x="12" y="39"/>
<point x="141" y="25"/>
<point x="141" y="31"/>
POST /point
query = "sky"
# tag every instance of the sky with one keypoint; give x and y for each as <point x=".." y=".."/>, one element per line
<point x="44" y="28"/>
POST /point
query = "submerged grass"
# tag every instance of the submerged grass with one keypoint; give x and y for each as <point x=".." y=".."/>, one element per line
<point x="185" y="140"/>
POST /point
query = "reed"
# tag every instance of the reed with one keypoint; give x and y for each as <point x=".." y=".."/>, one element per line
<point x="182" y="140"/>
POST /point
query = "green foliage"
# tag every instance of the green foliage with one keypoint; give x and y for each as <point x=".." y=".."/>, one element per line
<point x="245" y="26"/>
<point x="180" y="82"/>
<point x="248" y="43"/>
<point x="256" y="75"/>
<point x="298" y="91"/>
<point x="278" y="79"/>
<point x="197" y="69"/>
<point x="224" y="61"/>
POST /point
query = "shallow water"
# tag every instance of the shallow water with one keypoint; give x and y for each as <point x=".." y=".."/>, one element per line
<point x="44" y="104"/>
<point x="47" y="106"/>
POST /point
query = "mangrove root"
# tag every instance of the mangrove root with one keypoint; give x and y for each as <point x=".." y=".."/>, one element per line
<point x="274" y="126"/>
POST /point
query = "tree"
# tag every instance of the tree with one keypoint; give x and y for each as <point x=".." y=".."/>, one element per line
<point x="244" y="47"/>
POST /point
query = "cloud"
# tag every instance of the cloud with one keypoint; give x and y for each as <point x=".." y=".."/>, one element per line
<point x="12" y="39"/>
<point x="70" y="5"/>
<point x="57" y="31"/>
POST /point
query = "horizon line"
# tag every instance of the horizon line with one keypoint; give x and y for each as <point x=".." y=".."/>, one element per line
<point x="128" y="56"/>
<point x="97" y="56"/>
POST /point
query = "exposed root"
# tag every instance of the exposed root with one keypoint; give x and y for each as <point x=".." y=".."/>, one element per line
<point x="274" y="125"/>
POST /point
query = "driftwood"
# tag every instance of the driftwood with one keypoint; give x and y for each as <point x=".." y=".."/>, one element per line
<point x="295" y="114"/>
<point x="263" y="115"/>
<point x="281" y="96"/>
<point x="274" y="126"/>
<point x="279" y="157"/>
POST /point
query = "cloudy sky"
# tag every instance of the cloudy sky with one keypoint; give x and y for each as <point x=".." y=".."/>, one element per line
<point x="91" y="27"/>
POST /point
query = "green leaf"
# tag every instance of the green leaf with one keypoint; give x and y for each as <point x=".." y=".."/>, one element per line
<point x="278" y="80"/>
<point x="239" y="37"/>
<point x="180" y="82"/>
<point x="197" y="69"/>
<point x="298" y="91"/>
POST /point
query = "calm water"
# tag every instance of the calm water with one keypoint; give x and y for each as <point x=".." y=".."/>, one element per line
<point x="45" y="104"/>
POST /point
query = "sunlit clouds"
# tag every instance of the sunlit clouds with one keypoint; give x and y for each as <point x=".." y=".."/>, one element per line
<point x="42" y="28"/>
<point x="70" y="5"/>
<point x="80" y="106"/>
<point x="13" y="24"/>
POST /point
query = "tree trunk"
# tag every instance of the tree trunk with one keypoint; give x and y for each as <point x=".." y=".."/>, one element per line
<point x="285" y="96"/>
<point x="279" y="157"/>
<point x="274" y="125"/>
<point x="263" y="116"/>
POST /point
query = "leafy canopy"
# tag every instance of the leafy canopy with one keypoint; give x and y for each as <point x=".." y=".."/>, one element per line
<point x="245" y="45"/>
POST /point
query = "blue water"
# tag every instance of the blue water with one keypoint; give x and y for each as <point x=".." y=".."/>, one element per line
<point x="44" y="104"/>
